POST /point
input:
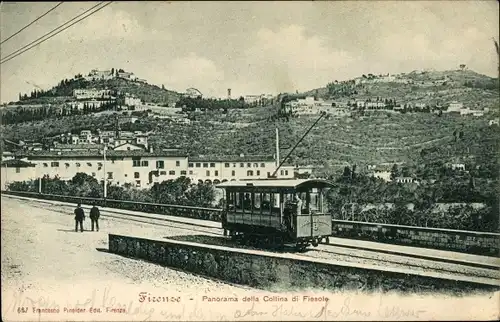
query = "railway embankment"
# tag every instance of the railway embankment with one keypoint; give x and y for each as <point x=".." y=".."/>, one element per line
<point x="282" y="271"/>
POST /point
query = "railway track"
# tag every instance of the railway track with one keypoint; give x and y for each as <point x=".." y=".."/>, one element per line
<point x="212" y="233"/>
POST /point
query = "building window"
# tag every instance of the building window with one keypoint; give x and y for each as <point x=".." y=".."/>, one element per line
<point x="234" y="165"/>
<point x="255" y="165"/>
<point x="258" y="172"/>
<point x="183" y="172"/>
<point x="190" y="171"/>
<point x="45" y="165"/>
<point x="136" y="162"/>
<point x="138" y="183"/>
<point x="190" y="165"/>
<point x="249" y="165"/>
<point x="171" y="172"/>
<point x="226" y="165"/>
<point x="18" y="170"/>
<point x="67" y="165"/>
<point x="136" y="175"/>
<point x="208" y="173"/>
<point x="242" y="165"/>
<point x="163" y="173"/>
<point x="216" y="173"/>
<point x="286" y="172"/>
<point x="198" y="165"/>
<point x="212" y="165"/>
<point x="268" y="174"/>
<point x="145" y="163"/>
<point x="233" y="173"/>
<point x="177" y="163"/>
<point x="160" y="164"/>
<point x="93" y="174"/>
<point x="54" y="164"/>
<point x="262" y="165"/>
<point x="249" y="173"/>
<point x="110" y="175"/>
<point x="205" y="165"/>
<point x="281" y="172"/>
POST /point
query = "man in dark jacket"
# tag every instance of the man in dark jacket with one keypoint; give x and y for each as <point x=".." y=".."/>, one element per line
<point x="79" y="217"/>
<point x="94" y="217"/>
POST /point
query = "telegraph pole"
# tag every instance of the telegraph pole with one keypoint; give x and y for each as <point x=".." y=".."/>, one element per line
<point x="296" y="144"/>
<point x="104" y="168"/>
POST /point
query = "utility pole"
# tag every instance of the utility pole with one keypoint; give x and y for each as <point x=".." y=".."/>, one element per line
<point x="104" y="168"/>
<point x="296" y="144"/>
<point x="277" y="148"/>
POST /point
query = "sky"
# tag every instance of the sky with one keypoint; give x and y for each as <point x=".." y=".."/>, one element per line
<point x="250" y="47"/>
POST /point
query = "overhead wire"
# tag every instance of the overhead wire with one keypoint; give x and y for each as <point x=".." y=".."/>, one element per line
<point x="48" y="35"/>
<point x="40" y="17"/>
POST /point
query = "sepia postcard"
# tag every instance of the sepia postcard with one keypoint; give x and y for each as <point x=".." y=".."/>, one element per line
<point x="250" y="161"/>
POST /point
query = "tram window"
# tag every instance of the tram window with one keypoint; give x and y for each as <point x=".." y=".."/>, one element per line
<point x="266" y="203"/>
<point x="230" y="200"/>
<point x="275" y="197"/>
<point x="314" y="201"/>
<point x="237" y="200"/>
<point x="257" y="201"/>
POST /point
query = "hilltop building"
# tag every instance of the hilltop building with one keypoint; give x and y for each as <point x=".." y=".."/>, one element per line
<point x="86" y="94"/>
<point x="99" y="75"/>
<point x="454" y="107"/>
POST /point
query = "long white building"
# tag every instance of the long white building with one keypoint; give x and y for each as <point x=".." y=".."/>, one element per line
<point x="137" y="167"/>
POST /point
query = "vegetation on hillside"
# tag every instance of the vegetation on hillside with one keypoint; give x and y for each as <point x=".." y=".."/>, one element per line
<point x="65" y="88"/>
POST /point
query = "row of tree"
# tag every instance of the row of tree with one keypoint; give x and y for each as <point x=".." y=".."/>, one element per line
<point x="180" y="191"/>
<point x="353" y="197"/>
<point x="21" y="115"/>
<point x="354" y="191"/>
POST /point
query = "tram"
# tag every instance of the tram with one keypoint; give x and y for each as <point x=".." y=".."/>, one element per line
<point x="277" y="212"/>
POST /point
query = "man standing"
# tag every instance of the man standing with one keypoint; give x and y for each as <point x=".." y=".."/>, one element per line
<point x="79" y="218"/>
<point x="94" y="217"/>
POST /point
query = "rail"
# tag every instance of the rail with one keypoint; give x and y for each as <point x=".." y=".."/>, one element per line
<point x="474" y="242"/>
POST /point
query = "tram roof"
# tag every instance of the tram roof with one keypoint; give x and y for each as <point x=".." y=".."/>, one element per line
<point x="276" y="183"/>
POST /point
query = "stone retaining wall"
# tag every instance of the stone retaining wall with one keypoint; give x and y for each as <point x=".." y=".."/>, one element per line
<point x="278" y="271"/>
<point x="480" y="243"/>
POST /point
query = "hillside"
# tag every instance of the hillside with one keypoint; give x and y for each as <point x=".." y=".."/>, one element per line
<point x="375" y="138"/>
<point x="63" y="92"/>
<point x="432" y="87"/>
